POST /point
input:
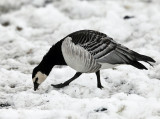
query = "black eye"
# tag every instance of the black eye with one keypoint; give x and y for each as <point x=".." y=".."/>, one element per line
<point x="36" y="80"/>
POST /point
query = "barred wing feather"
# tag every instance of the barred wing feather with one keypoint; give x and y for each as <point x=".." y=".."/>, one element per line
<point x="103" y="48"/>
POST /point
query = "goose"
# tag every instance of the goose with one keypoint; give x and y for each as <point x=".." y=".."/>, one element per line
<point x="86" y="51"/>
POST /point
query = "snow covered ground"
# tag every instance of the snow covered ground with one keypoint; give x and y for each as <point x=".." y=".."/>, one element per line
<point x="28" y="28"/>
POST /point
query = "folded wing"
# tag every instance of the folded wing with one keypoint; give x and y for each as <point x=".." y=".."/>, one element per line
<point x="105" y="50"/>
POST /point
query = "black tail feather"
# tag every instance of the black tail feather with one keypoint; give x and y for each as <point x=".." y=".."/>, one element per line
<point x="144" y="58"/>
<point x="138" y="65"/>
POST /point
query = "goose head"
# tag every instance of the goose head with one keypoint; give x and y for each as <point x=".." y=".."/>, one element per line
<point x="38" y="77"/>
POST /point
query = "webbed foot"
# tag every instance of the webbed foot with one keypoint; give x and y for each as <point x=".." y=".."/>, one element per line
<point x="100" y="86"/>
<point x="61" y="85"/>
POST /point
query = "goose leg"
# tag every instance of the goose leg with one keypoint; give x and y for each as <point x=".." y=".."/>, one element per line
<point x="61" y="85"/>
<point x="99" y="85"/>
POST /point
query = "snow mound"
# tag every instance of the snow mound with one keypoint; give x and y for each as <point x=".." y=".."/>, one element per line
<point x="29" y="28"/>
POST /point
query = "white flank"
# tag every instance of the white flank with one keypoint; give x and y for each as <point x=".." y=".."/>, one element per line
<point x="78" y="58"/>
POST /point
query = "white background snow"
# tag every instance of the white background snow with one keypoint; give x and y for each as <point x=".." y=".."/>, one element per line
<point x="28" y="28"/>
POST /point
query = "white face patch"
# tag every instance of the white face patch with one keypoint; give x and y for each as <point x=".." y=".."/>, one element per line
<point x="41" y="77"/>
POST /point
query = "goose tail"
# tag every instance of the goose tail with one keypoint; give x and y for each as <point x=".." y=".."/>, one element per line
<point x="131" y="57"/>
<point x="144" y="58"/>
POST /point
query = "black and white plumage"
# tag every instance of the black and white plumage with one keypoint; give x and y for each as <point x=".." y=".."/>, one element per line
<point x="86" y="51"/>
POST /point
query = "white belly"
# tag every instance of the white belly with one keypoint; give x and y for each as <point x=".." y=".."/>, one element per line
<point x="108" y="66"/>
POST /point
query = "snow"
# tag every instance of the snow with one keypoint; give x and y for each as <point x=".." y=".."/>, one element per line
<point x="29" y="28"/>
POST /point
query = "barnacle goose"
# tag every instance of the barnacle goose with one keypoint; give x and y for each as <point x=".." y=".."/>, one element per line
<point x="86" y="51"/>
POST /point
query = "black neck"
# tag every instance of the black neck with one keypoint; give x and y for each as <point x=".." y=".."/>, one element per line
<point x="53" y="57"/>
